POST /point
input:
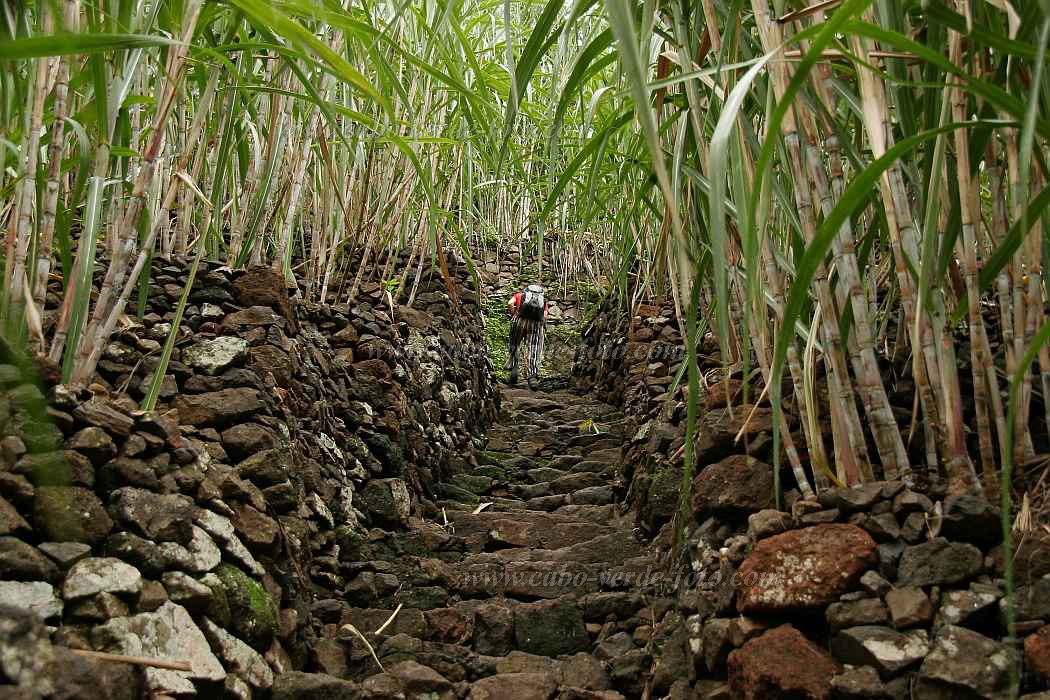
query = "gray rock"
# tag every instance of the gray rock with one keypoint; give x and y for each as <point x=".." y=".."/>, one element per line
<point x="137" y="551"/>
<point x="247" y="439"/>
<point x="96" y="575"/>
<point x="850" y="499"/>
<point x="266" y="468"/>
<point x="1033" y="601"/>
<point x="22" y="562"/>
<point x="550" y="628"/>
<point x="883" y="527"/>
<point x="862" y="683"/>
<point x="70" y="514"/>
<point x="187" y="591"/>
<point x="168" y="633"/>
<point x="768" y="522"/>
<point x="888" y="651"/>
<point x="966" y="608"/>
<point x="36" y="597"/>
<point x="100" y="607"/>
<point x="221" y="528"/>
<point x="65" y="554"/>
<point x="913" y="531"/>
<point x="868" y="611"/>
<point x="11" y="522"/>
<point x="715" y="644"/>
<point x="889" y="559"/>
<point x="874" y="584"/>
<point x="212" y="312"/>
<point x="309" y="686"/>
<point x="241" y="660"/>
<point x="971" y="519"/>
<point x="594" y="496"/>
<point x="200" y="556"/>
<point x="963" y="663"/>
<point x="94" y="443"/>
<point x="908" y="501"/>
<point x="253" y="613"/>
<point x="161" y="518"/>
<point x="939" y="562"/>
<point x="386" y="501"/>
<point x="218" y="408"/>
<point x="25" y="649"/>
<point x="98" y="413"/>
<point x="215" y="356"/>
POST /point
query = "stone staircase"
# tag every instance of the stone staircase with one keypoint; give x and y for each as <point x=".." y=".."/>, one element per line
<point x="523" y="581"/>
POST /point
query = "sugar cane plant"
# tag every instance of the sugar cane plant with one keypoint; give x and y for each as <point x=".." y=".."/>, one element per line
<point x="324" y="139"/>
<point x="851" y="195"/>
<point x="860" y="188"/>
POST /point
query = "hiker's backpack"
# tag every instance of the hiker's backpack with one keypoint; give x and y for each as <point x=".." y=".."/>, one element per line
<point x="532" y="303"/>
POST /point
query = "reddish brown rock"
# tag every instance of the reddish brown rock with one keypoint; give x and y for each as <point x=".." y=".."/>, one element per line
<point x="781" y="664"/>
<point x="262" y="286"/>
<point x="450" y="625"/>
<point x="804" y="568"/>
<point x="515" y="686"/>
<point x="1037" y="652"/>
<point x="735" y="487"/>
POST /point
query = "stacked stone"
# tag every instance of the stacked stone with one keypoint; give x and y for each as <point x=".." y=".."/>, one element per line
<point x="203" y="531"/>
<point x="505" y="273"/>
<point x="874" y="592"/>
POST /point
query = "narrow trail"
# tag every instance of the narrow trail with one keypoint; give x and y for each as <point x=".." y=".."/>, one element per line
<point x="528" y="598"/>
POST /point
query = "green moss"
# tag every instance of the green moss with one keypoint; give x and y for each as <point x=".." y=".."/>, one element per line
<point x="662" y="497"/>
<point x="252" y="610"/>
<point x="219" y="605"/>
<point x="353" y="544"/>
<point x="497" y="334"/>
<point x="492" y="472"/>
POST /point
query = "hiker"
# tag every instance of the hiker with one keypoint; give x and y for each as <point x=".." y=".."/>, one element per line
<point x="528" y="320"/>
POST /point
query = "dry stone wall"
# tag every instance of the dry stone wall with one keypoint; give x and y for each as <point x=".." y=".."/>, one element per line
<point x="289" y="437"/>
<point x="886" y="590"/>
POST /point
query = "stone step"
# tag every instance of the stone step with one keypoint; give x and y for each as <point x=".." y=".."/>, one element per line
<point x="529" y="528"/>
<point x="541" y="474"/>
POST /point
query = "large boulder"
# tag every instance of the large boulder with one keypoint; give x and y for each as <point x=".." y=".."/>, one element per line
<point x="170" y="634"/>
<point x="803" y="569"/>
<point x="781" y="665"/>
<point x="735" y="487"/>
